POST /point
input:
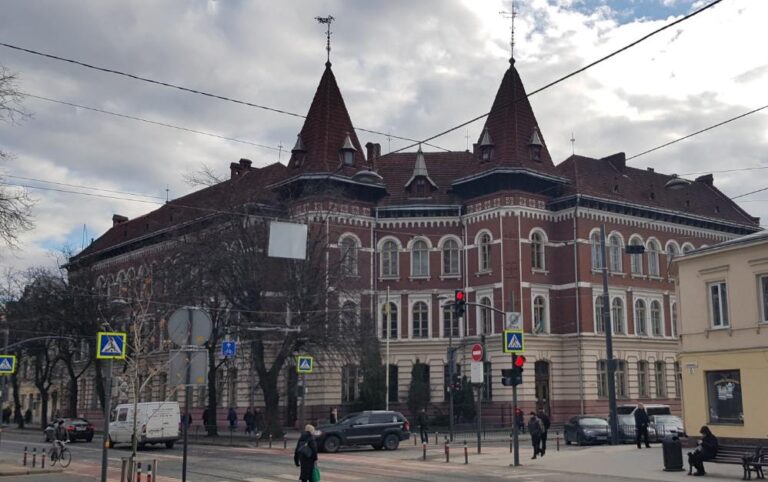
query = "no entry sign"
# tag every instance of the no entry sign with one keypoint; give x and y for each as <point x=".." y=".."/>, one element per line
<point x="477" y="352"/>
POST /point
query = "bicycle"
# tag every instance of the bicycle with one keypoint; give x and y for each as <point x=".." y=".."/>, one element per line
<point x="60" y="453"/>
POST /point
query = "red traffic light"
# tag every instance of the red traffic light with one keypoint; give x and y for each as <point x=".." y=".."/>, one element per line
<point x="519" y="361"/>
<point x="460" y="296"/>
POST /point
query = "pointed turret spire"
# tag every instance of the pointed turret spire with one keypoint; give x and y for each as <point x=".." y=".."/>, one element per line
<point x="420" y="169"/>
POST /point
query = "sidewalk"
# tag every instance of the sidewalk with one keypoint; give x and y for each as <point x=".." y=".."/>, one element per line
<point x="10" y="467"/>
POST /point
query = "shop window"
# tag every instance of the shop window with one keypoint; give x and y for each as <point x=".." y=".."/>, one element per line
<point x="724" y="396"/>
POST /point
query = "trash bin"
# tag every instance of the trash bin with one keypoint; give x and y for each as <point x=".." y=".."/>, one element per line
<point x="672" y="450"/>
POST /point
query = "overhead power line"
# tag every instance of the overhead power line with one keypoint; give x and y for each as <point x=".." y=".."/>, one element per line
<point x="750" y="192"/>
<point x="194" y="91"/>
<point x="572" y="74"/>
<point x="79" y="186"/>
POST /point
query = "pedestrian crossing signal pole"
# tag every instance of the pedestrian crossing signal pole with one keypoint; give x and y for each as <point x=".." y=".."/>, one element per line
<point x="609" y="341"/>
<point x="515" y="433"/>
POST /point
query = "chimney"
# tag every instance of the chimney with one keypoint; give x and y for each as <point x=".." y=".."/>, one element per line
<point x="118" y="219"/>
<point x="245" y="163"/>
<point x="234" y="170"/>
<point x="650" y="169"/>
<point x="707" y="179"/>
<point x="373" y="152"/>
<point x="618" y="160"/>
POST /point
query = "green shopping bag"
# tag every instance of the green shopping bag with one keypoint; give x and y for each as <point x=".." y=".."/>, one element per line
<point x="316" y="474"/>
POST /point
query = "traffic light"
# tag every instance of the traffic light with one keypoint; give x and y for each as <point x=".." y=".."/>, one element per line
<point x="512" y="377"/>
<point x="459" y="303"/>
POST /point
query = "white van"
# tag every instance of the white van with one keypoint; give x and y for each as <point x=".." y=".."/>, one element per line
<point x="156" y="423"/>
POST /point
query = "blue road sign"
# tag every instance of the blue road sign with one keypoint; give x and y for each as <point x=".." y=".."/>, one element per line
<point x="304" y="364"/>
<point x="514" y="341"/>
<point x="110" y="346"/>
<point x="7" y="364"/>
<point x="228" y="349"/>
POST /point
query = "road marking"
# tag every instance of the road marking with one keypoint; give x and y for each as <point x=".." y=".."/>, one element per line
<point x="257" y="479"/>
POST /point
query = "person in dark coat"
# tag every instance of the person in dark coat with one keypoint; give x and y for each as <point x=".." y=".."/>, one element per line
<point x="545" y="423"/>
<point x="250" y="421"/>
<point x="535" y="428"/>
<point x="305" y="454"/>
<point x="706" y="450"/>
<point x="423" y="421"/>
<point x="519" y="418"/>
<point x="333" y="416"/>
<point x="641" y="425"/>
<point x="232" y="417"/>
<point x="28" y="416"/>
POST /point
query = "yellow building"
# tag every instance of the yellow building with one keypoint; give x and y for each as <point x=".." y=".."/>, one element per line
<point x="723" y="296"/>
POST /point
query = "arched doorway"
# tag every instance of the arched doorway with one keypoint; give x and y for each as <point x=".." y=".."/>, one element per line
<point x="543" y="399"/>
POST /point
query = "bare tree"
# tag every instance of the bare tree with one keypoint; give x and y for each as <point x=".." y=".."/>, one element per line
<point x="205" y="175"/>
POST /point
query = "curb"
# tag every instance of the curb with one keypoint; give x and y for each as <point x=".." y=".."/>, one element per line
<point x="10" y="472"/>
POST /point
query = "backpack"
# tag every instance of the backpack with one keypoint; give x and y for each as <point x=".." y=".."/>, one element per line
<point x="304" y="450"/>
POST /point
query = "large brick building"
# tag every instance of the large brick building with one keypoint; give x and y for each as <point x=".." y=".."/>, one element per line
<point x="503" y="222"/>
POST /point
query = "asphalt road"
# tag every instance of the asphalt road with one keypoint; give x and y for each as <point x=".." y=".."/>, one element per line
<point x="217" y="464"/>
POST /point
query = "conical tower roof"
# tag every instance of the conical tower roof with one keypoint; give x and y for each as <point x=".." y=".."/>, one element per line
<point x="326" y="130"/>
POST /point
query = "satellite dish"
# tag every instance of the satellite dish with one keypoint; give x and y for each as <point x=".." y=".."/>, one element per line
<point x="190" y="326"/>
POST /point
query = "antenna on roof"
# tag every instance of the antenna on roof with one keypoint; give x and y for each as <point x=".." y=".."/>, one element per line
<point x="279" y="150"/>
<point x="573" y="144"/>
<point x="327" y="20"/>
<point x="511" y="16"/>
<point x="467" y="138"/>
<point x="167" y="193"/>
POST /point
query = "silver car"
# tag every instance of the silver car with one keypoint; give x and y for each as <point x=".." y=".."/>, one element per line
<point x="666" y="425"/>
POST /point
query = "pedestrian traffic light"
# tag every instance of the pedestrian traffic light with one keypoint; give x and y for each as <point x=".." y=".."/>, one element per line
<point x="459" y="303"/>
<point x="518" y="362"/>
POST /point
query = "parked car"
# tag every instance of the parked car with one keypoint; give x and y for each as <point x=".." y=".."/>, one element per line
<point x="586" y="429"/>
<point x="650" y="409"/>
<point x="378" y="428"/>
<point x="77" y="429"/>
<point x="666" y="425"/>
<point x="156" y="423"/>
<point x="627" y="429"/>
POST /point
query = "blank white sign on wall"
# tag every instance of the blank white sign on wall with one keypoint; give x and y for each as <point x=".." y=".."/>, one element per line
<point x="287" y="240"/>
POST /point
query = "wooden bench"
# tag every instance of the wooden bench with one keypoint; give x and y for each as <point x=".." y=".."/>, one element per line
<point x="749" y="457"/>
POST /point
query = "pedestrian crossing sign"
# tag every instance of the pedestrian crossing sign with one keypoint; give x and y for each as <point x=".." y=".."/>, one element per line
<point x="110" y="346"/>
<point x="304" y="364"/>
<point x="514" y="341"/>
<point x="7" y="364"/>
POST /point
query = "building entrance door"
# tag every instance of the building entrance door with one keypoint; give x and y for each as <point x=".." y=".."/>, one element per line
<point x="542" y="386"/>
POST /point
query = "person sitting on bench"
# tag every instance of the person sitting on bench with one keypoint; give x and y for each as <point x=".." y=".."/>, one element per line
<point x="706" y="450"/>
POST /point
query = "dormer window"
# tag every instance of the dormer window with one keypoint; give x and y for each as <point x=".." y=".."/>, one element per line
<point x="299" y="152"/>
<point x="535" y="145"/>
<point x="421" y="187"/>
<point x="485" y="153"/>
<point x="347" y="152"/>
<point x="486" y="146"/>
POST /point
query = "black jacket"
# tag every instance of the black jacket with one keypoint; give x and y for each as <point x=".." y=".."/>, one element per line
<point x="545" y="421"/>
<point x="641" y="418"/>
<point x="709" y="446"/>
<point x="304" y="459"/>
<point x="423" y="421"/>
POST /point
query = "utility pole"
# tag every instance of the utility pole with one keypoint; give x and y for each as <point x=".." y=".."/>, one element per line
<point x="609" y="341"/>
<point x="388" y="321"/>
<point x="187" y="397"/>
<point x="515" y="433"/>
<point x="107" y="414"/>
<point x="5" y="379"/>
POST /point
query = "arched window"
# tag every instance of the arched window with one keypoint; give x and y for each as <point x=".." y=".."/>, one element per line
<point x="486" y="317"/>
<point x="348" y="314"/>
<point x="641" y="324"/>
<point x="450" y="322"/>
<point x="389" y="317"/>
<point x="484" y="247"/>
<point x="539" y="315"/>
<point x="599" y="322"/>
<point x="687" y="248"/>
<point x="617" y="315"/>
<point x="672" y="250"/>
<point x="597" y="252"/>
<point x="656" y="323"/>
<point x="537" y="251"/>
<point x="389" y="259"/>
<point x="349" y="256"/>
<point x="451" y="258"/>
<point x="614" y="253"/>
<point x="420" y="258"/>
<point x="653" y="258"/>
<point x="673" y="312"/>
<point x="420" y="320"/>
<point x="636" y="260"/>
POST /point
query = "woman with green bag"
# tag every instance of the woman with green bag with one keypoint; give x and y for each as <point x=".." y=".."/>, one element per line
<point x="305" y="456"/>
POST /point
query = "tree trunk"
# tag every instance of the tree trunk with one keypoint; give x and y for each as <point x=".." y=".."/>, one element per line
<point x="72" y="408"/>
<point x="271" y="406"/>
<point x="18" y="416"/>
<point x="44" y="396"/>
<point x="212" y="428"/>
<point x="100" y="383"/>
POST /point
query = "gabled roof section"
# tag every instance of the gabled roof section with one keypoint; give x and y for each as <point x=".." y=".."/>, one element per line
<point x="325" y="132"/>
<point x="420" y="169"/>
<point x="512" y="126"/>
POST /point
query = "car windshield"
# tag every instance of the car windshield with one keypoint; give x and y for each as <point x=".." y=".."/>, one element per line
<point x="625" y="409"/>
<point x="593" y="422"/>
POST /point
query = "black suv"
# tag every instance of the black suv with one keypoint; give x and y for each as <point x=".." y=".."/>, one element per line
<point x="378" y="428"/>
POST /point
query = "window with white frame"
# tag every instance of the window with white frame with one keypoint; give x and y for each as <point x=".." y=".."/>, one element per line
<point x="653" y="258"/>
<point x="621" y="379"/>
<point x="660" y="373"/>
<point x="636" y="260"/>
<point x="486" y="316"/>
<point x="348" y="314"/>
<point x="349" y="249"/>
<point x="673" y="313"/>
<point x="602" y="378"/>
<point x="763" y="286"/>
<point x="614" y="253"/>
<point x="420" y="314"/>
<point x="451" y="258"/>
<point x="484" y="252"/>
<point x="617" y="314"/>
<point x="687" y="248"/>
<point x="537" y="251"/>
<point x="641" y="321"/>
<point x="389" y="258"/>
<point x="597" y="252"/>
<point x="599" y="316"/>
<point x="350" y="383"/>
<point x="672" y="250"/>
<point x="643" y="379"/>
<point x="420" y="258"/>
<point x="657" y="324"/>
<point x="450" y="322"/>
<point x="539" y="314"/>
<point x="389" y="317"/>
<point x="718" y="303"/>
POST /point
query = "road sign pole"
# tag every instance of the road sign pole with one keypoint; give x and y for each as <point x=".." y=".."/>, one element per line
<point x="5" y="379"/>
<point x="107" y="413"/>
<point x="609" y="342"/>
<point x="187" y="396"/>
<point x="515" y="433"/>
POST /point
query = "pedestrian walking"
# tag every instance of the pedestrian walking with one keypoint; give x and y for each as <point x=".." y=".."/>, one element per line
<point x="641" y="425"/>
<point x="535" y="428"/>
<point x="250" y="421"/>
<point x="305" y="455"/>
<point x="186" y="420"/>
<point x="520" y="420"/>
<point x="7" y="415"/>
<point x="707" y="449"/>
<point x="209" y="421"/>
<point x="232" y="417"/>
<point x="28" y="416"/>
<point x="423" y="421"/>
<point x="334" y="416"/>
<point x="545" y="423"/>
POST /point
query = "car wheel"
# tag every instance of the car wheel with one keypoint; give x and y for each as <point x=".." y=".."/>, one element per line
<point x="391" y="442"/>
<point x="331" y="444"/>
<point x="377" y="446"/>
<point x="567" y="440"/>
<point x="169" y="445"/>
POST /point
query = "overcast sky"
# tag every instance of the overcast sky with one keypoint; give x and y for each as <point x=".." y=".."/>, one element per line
<point x="410" y="68"/>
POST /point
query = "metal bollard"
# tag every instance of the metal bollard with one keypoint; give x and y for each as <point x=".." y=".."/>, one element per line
<point x="557" y="439"/>
<point x="285" y="443"/>
<point x="34" y="457"/>
<point x="466" y="453"/>
<point x="138" y="471"/>
<point x="447" y="450"/>
<point x="25" y="456"/>
<point x="436" y="435"/>
<point x="424" y="449"/>
<point x="414" y="440"/>
<point x="42" y="459"/>
<point x="510" y="443"/>
<point x="270" y="440"/>
<point x="149" y="472"/>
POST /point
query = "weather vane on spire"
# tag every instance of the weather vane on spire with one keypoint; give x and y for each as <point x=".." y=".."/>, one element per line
<point x="511" y="16"/>
<point x="327" y="20"/>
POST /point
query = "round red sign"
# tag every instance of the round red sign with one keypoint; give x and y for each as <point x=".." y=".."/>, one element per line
<point x="477" y="352"/>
